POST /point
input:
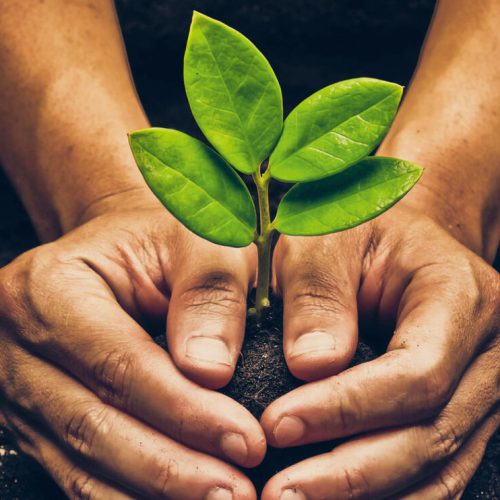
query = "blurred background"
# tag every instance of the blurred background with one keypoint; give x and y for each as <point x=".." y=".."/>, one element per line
<point x="310" y="44"/>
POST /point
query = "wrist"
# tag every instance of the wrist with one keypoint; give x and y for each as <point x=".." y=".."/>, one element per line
<point x="77" y="155"/>
<point x="62" y="202"/>
<point x="454" y="190"/>
<point x="134" y="198"/>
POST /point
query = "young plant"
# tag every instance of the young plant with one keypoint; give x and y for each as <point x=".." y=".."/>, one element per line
<point x="322" y="147"/>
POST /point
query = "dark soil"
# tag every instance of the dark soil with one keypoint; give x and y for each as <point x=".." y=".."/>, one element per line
<point x="310" y="43"/>
<point x="262" y="376"/>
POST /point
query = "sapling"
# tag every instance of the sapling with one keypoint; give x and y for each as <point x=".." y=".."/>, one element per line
<point x="322" y="148"/>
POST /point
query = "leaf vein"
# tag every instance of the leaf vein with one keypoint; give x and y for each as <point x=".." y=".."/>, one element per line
<point x="348" y="195"/>
<point x="188" y="180"/>
<point x="326" y="153"/>
<point x="291" y="153"/>
<point x="350" y="139"/>
<point x="249" y="151"/>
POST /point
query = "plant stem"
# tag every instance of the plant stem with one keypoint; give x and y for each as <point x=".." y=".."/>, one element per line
<point x="263" y="241"/>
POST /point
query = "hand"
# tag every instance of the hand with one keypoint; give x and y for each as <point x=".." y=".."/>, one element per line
<point x="85" y="389"/>
<point x="428" y="406"/>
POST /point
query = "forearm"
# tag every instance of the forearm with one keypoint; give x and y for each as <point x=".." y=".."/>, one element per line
<point x="449" y="123"/>
<point x="66" y="103"/>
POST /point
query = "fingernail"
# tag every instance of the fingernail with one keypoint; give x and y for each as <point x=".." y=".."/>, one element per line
<point x="292" y="494"/>
<point x="313" y="342"/>
<point x="288" y="430"/>
<point x="234" y="446"/>
<point x="219" y="494"/>
<point x="209" y="349"/>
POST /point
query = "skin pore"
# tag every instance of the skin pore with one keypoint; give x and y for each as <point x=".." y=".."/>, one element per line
<point x="76" y="366"/>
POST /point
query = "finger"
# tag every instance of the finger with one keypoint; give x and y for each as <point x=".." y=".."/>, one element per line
<point x="207" y="312"/>
<point x="122" y="449"/>
<point x="454" y="477"/>
<point x="74" y="480"/>
<point x="113" y="356"/>
<point x="383" y="463"/>
<point x="431" y="347"/>
<point x="319" y="299"/>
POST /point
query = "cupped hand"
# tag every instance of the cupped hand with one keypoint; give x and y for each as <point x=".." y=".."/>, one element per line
<point x="426" y="408"/>
<point x="88" y="393"/>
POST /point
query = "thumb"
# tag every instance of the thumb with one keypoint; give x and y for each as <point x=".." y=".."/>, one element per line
<point x="318" y="278"/>
<point x="207" y="312"/>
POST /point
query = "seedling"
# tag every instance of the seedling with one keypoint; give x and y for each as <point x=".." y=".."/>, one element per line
<point x="322" y="147"/>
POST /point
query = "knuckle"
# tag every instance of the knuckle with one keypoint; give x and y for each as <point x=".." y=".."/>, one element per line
<point x="478" y="285"/>
<point x="345" y="412"/>
<point x="316" y="291"/>
<point x="33" y="286"/>
<point x="348" y="417"/>
<point x="82" y="486"/>
<point x="113" y="376"/>
<point x="354" y="484"/>
<point x="83" y="428"/>
<point x="444" y="440"/>
<point x="216" y="293"/>
<point x="450" y="486"/>
<point x="165" y="474"/>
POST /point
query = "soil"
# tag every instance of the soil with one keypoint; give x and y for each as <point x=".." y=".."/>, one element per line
<point x="331" y="40"/>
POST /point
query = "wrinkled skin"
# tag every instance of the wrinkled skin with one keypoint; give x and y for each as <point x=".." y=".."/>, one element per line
<point x="86" y="391"/>
<point x="427" y="407"/>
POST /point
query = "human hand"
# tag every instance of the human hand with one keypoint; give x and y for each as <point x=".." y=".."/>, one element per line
<point x="88" y="393"/>
<point x="429" y="405"/>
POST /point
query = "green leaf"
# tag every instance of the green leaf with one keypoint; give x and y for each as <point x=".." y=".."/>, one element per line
<point x="347" y="199"/>
<point x="196" y="185"/>
<point x="233" y="92"/>
<point x="334" y="129"/>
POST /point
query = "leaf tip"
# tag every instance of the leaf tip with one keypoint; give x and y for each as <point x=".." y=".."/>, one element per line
<point x="196" y="20"/>
<point x="131" y="137"/>
<point x="200" y="17"/>
<point x="135" y="134"/>
<point x="419" y="171"/>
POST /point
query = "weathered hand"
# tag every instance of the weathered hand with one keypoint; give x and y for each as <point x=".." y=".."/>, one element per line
<point x="90" y="395"/>
<point x="429" y="405"/>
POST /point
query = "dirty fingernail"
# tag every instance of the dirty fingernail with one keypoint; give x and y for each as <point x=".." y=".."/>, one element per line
<point x="219" y="494"/>
<point x="292" y="494"/>
<point x="208" y="349"/>
<point x="313" y="342"/>
<point x="234" y="446"/>
<point x="288" y="430"/>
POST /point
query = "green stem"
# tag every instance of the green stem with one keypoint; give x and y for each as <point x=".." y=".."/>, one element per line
<point x="263" y="241"/>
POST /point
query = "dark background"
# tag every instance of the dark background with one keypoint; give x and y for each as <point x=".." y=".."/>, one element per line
<point x="310" y="44"/>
